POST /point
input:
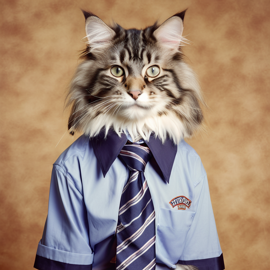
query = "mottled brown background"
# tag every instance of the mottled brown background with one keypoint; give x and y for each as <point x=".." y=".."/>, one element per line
<point x="229" y="50"/>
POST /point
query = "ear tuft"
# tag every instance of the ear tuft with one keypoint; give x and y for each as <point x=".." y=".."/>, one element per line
<point x="169" y="34"/>
<point x="87" y="14"/>
<point x="181" y="14"/>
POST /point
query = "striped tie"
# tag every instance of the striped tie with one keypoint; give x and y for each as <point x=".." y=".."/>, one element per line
<point x="136" y="221"/>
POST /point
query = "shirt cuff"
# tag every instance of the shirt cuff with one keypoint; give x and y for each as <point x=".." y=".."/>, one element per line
<point x="216" y="263"/>
<point x="52" y="256"/>
<point x="160" y="266"/>
<point x="42" y="263"/>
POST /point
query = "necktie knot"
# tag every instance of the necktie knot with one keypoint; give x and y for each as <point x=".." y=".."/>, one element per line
<point x="135" y="156"/>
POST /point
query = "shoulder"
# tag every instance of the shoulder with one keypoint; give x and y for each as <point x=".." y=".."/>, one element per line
<point x="183" y="146"/>
<point x="186" y="152"/>
<point x="69" y="166"/>
<point x="191" y="161"/>
<point x="75" y="153"/>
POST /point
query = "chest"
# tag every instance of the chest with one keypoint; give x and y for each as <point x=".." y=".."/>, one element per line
<point x="173" y="202"/>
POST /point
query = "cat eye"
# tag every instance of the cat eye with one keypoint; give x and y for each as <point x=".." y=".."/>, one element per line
<point x="117" y="71"/>
<point x="153" y="71"/>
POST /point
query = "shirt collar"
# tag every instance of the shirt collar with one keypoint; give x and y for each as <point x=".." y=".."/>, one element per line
<point x="107" y="149"/>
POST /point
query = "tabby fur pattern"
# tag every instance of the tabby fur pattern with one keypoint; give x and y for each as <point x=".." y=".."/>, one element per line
<point x="167" y="105"/>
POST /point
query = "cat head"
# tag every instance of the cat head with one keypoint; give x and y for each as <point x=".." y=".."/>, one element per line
<point x="135" y="81"/>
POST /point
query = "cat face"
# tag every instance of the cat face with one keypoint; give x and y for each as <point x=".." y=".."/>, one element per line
<point x="136" y="81"/>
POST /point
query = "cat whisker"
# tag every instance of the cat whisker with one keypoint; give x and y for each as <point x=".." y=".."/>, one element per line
<point x="117" y="109"/>
<point x="101" y="97"/>
<point x="102" y="103"/>
<point x="61" y="138"/>
<point x="186" y="106"/>
<point x="77" y="116"/>
<point x="82" y="108"/>
<point x="87" y="104"/>
<point x="80" y="119"/>
<point x="108" y="108"/>
<point x="91" y="103"/>
<point x="184" y="41"/>
<point x="106" y="102"/>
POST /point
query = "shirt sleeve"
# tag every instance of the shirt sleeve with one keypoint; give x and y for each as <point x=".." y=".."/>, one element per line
<point x="65" y="240"/>
<point x="202" y="248"/>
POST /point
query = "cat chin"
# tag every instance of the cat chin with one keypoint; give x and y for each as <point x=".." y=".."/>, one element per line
<point x="133" y="113"/>
<point x="163" y="127"/>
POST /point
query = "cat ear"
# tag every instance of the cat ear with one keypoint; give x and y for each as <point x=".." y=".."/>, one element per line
<point x="98" y="33"/>
<point x="169" y="34"/>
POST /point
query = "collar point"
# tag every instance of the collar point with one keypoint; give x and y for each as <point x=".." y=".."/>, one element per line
<point x="104" y="171"/>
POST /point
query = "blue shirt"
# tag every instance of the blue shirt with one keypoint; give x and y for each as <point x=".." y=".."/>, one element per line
<point x="86" y="186"/>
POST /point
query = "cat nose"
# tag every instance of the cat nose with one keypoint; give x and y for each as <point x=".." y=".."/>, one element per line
<point x="135" y="94"/>
<point x="134" y="86"/>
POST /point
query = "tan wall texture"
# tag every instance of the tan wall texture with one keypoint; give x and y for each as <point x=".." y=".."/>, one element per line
<point x="229" y="50"/>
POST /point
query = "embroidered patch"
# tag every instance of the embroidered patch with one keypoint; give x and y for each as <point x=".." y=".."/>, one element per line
<point x="181" y="201"/>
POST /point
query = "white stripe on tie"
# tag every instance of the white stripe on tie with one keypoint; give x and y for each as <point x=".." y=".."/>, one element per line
<point x="121" y="227"/>
<point x="126" y="153"/>
<point x="150" y="265"/>
<point x="146" y="149"/>
<point x="137" y="234"/>
<point x="130" y="180"/>
<point x="137" y="254"/>
<point x="134" y="200"/>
